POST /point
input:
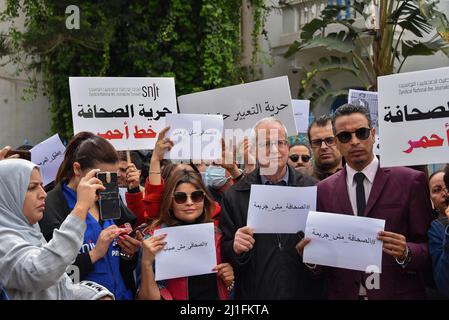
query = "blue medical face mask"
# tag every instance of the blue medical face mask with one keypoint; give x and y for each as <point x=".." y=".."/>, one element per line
<point x="215" y="177"/>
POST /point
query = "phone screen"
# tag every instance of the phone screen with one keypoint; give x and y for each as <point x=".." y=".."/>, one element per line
<point x="109" y="202"/>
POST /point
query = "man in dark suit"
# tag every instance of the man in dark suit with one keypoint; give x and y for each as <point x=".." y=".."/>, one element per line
<point x="399" y="195"/>
<point x="266" y="266"/>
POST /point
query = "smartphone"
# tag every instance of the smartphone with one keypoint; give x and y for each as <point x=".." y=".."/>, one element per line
<point x="23" y="154"/>
<point x="109" y="201"/>
<point x="126" y="227"/>
<point x="139" y="228"/>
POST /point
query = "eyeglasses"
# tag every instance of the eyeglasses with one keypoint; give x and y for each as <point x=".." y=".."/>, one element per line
<point x="316" y="143"/>
<point x="295" y="157"/>
<point x="360" y="133"/>
<point x="195" y="196"/>
<point x="267" y="144"/>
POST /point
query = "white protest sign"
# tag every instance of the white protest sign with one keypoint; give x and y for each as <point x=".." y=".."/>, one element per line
<point x="343" y="241"/>
<point x="369" y="100"/>
<point x="243" y="105"/>
<point x="195" y="136"/>
<point x="278" y="209"/>
<point x="301" y="112"/>
<point x="190" y="251"/>
<point x="48" y="155"/>
<point x="414" y="118"/>
<point x="129" y="112"/>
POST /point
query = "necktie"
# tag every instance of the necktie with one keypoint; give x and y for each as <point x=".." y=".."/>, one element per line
<point x="360" y="193"/>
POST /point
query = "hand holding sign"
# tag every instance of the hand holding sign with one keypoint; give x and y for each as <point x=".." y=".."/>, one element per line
<point x="132" y="176"/>
<point x="394" y="244"/>
<point x="301" y="245"/>
<point x="151" y="247"/>
<point x="163" y="144"/>
<point x="243" y="240"/>
<point x="225" y="272"/>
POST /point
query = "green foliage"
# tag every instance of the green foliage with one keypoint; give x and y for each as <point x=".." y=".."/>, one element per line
<point x="197" y="42"/>
<point x="366" y="53"/>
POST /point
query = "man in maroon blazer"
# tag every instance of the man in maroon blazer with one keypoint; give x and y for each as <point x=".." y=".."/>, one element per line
<point x="398" y="195"/>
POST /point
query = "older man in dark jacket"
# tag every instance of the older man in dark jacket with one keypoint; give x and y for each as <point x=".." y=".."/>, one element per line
<point x="267" y="266"/>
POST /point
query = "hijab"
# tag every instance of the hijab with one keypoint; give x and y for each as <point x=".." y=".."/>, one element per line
<point x="15" y="177"/>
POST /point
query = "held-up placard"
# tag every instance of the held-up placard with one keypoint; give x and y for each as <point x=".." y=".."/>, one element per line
<point x="343" y="241"/>
<point x="301" y="112"/>
<point x="278" y="209"/>
<point x="190" y="251"/>
<point x="129" y="112"/>
<point x="195" y="136"/>
<point x="243" y="105"/>
<point x="48" y="155"/>
<point x="414" y="118"/>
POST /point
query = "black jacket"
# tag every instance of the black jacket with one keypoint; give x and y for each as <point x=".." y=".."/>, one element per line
<point x="272" y="269"/>
<point x="57" y="209"/>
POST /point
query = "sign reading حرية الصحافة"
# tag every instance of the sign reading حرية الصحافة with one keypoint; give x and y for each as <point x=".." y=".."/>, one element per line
<point x="129" y="112"/>
<point x="414" y="118"/>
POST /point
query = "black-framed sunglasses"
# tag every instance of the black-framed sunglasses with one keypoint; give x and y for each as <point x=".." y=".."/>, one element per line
<point x="360" y="133"/>
<point x="316" y="143"/>
<point x="181" y="197"/>
<point x="295" y="157"/>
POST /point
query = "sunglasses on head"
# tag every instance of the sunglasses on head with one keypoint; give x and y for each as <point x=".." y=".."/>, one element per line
<point x="360" y="133"/>
<point x="295" y="157"/>
<point x="195" y="196"/>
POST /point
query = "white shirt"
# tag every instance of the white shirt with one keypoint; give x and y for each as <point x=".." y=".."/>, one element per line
<point x="370" y="172"/>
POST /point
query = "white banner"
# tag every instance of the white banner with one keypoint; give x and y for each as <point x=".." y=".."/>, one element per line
<point x="414" y="118"/>
<point x="243" y="105"/>
<point x="301" y="110"/>
<point x="278" y="209"/>
<point x="195" y="136"/>
<point x="129" y="112"/>
<point x="48" y="155"/>
<point x="343" y="241"/>
<point x="190" y="251"/>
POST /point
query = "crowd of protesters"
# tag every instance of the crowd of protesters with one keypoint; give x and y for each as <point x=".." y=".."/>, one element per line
<point x="45" y="232"/>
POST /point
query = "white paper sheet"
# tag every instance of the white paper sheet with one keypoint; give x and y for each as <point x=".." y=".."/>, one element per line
<point x="190" y="251"/>
<point x="343" y="241"/>
<point x="278" y="209"/>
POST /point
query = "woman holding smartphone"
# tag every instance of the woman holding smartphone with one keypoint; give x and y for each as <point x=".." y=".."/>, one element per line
<point x="31" y="268"/>
<point x="100" y="257"/>
<point x="185" y="201"/>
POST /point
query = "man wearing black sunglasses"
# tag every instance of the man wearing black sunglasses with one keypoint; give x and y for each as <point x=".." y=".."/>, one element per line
<point x="398" y="195"/>
<point x="322" y="141"/>
<point x="266" y="266"/>
<point x="300" y="158"/>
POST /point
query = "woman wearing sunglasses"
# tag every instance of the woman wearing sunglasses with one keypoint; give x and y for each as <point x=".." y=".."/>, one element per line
<point x="149" y="206"/>
<point x="185" y="201"/>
